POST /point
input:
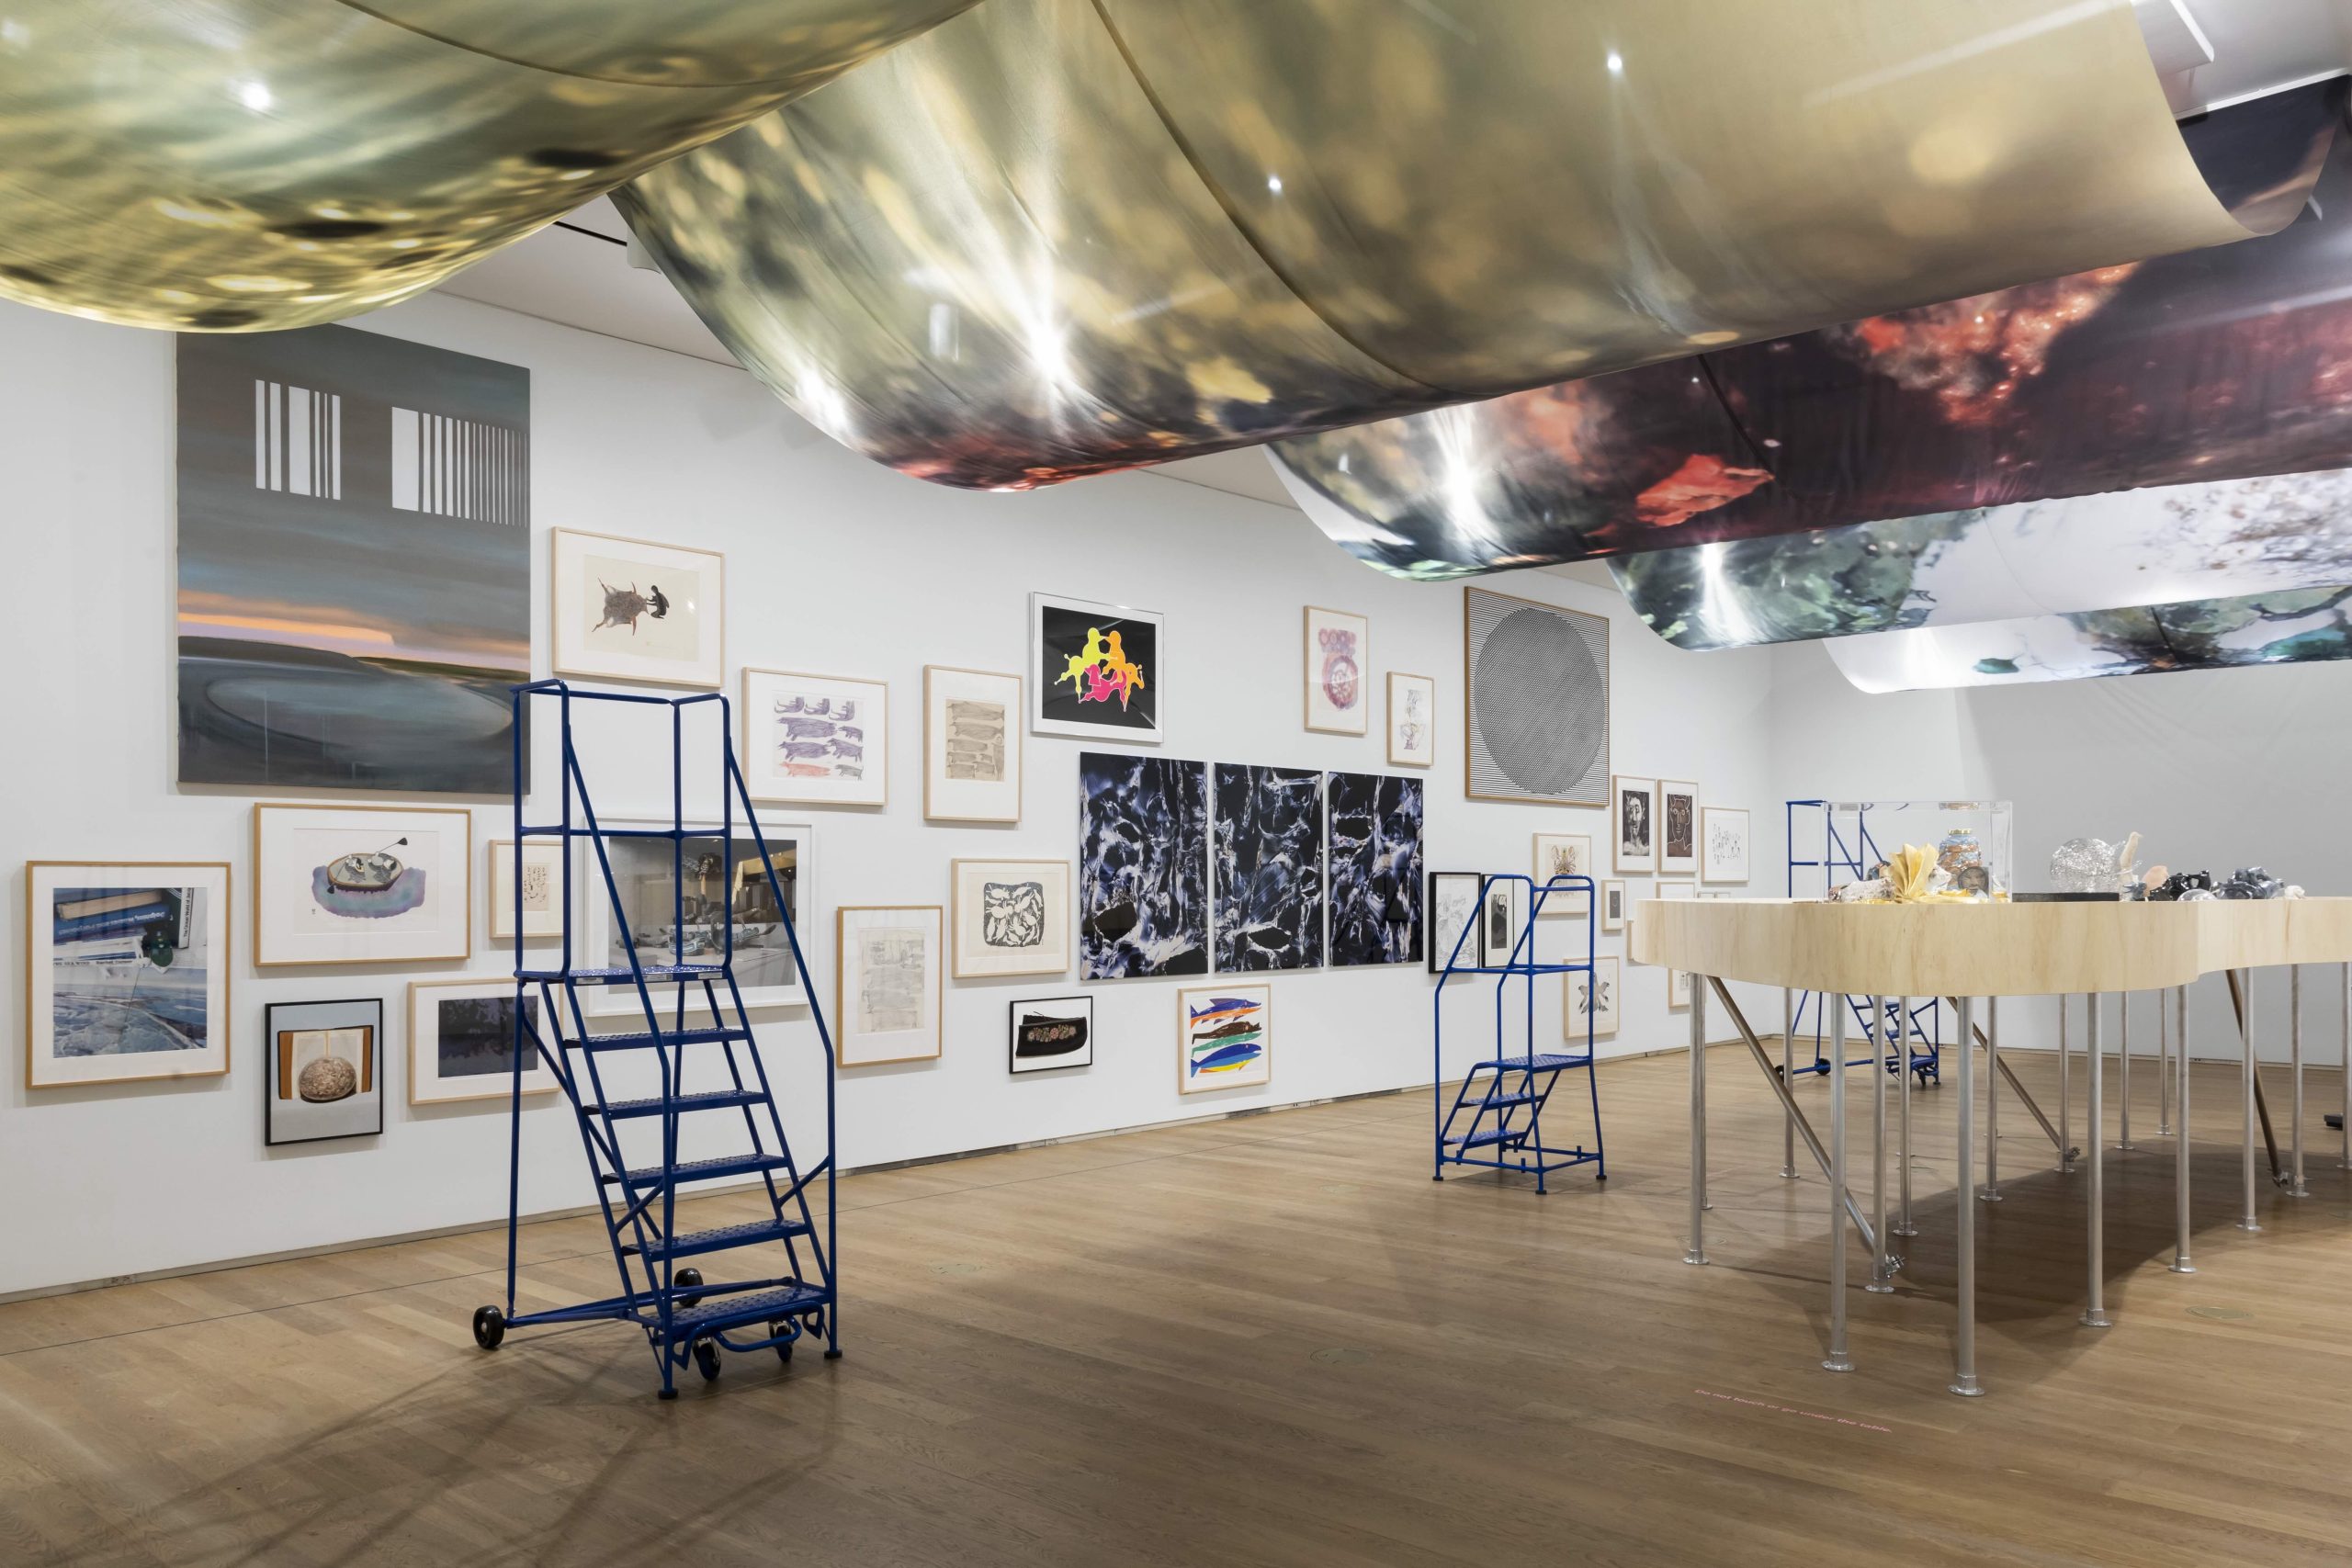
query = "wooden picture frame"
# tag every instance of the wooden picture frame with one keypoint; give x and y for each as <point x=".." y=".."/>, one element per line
<point x="1566" y="901"/>
<point x="1718" y="863"/>
<point x="429" y="1083"/>
<point x="864" y="730"/>
<point x="1412" y="733"/>
<point x="132" y="932"/>
<point x="1633" y="844"/>
<point x="956" y="746"/>
<point x="1336" y="675"/>
<point x="1613" y="904"/>
<point x="974" y="958"/>
<point x="538" y="925"/>
<point x="1226" y="1019"/>
<point x="912" y="1029"/>
<point x="1502" y="766"/>
<point x="287" y="934"/>
<point x="569" y="604"/>
<point x="1678" y="828"/>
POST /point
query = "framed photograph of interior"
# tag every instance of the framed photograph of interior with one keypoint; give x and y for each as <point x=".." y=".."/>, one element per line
<point x="1224" y="1037"/>
<point x="633" y="610"/>
<point x="462" y="1042"/>
<point x="1595" y="994"/>
<point x="1094" y="670"/>
<point x="815" y="740"/>
<point x="722" y="887"/>
<point x="1012" y="917"/>
<point x="1723" y="843"/>
<point x="126" y="971"/>
<point x="1052" y="1034"/>
<point x="1678" y="828"/>
<point x="1338" y="662"/>
<point x="1564" y="854"/>
<point x="1633" y="825"/>
<point x="1412" y="720"/>
<point x="542" y="888"/>
<point x="1678" y="981"/>
<point x="1612" y="905"/>
<point x="886" y="984"/>
<point x="362" y="885"/>
<point x="325" y="1077"/>
<point x="971" y="745"/>
<point x="1452" y="905"/>
<point x="1535" y="701"/>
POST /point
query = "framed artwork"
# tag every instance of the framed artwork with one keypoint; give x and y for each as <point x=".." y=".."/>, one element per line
<point x="815" y="740"/>
<point x="1502" y="915"/>
<point x="353" y="562"/>
<point x="1453" y="901"/>
<point x="1012" y="917"/>
<point x="462" y="1042"/>
<point x="1094" y="670"/>
<point x="887" y="987"/>
<point x="126" y="971"/>
<point x="1678" y="981"/>
<point x="1590" y="998"/>
<point x="362" y="885"/>
<point x="1338" y="662"/>
<point x="1224" y="1038"/>
<point x="1612" y="905"/>
<point x="1412" y="720"/>
<point x="633" y="610"/>
<point x="1143" y="867"/>
<point x="971" y="746"/>
<point x="1535" y="701"/>
<point x="725" y="888"/>
<point x="1267" y="839"/>
<point x="1564" y="854"/>
<point x="1052" y="1034"/>
<point x="1723" y="843"/>
<point x="542" y="888"/>
<point x="325" y="1075"/>
<point x="1678" y="828"/>
<point x="1375" y="867"/>
<point x="1632" y="824"/>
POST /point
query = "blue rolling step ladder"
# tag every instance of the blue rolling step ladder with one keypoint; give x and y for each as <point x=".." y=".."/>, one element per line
<point x="1849" y="854"/>
<point x="787" y="1291"/>
<point x="1496" y="1121"/>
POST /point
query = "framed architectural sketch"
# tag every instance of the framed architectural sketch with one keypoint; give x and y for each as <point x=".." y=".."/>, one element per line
<point x="1011" y="917"/>
<point x="1266" y="839"/>
<point x="353" y="562"/>
<point x="1052" y="1034"/>
<point x="542" y="888"/>
<point x="1143" y="867"/>
<point x="1564" y="854"/>
<point x="1375" y="867"/>
<point x="462" y="1042"/>
<point x="126" y="971"/>
<point x="726" y="894"/>
<point x="971" y="745"/>
<point x="362" y="885"/>
<point x="815" y="740"/>
<point x="1224" y="1038"/>
<point x="1502" y="915"/>
<point x="887" y="986"/>
<point x="1678" y="981"/>
<point x="1678" y="828"/>
<point x="1453" y="901"/>
<point x="1535" y="701"/>
<point x="1594" y="994"/>
<point x="1612" y="905"/>
<point x="1094" y="670"/>
<point x="633" y="610"/>
<point x="1723" y="843"/>
<point x="325" y="1072"/>
<point x="1412" y="720"/>
<point x="1632" y="824"/>
<point x="1338" y="673"/>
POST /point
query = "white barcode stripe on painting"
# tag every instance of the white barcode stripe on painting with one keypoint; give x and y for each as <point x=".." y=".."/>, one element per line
<point x="299" y="434"/>
<point x="298" y="440"/>
<point x="457" y="467"/>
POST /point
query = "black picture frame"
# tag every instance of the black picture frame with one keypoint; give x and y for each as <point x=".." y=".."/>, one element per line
<point x="289" y="1116"/>
<point x="1081" y="1055"/>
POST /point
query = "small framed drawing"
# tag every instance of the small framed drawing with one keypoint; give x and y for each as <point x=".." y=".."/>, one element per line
<point x="325" y="1077"/>
<point x="633" y="610"/>
<point x="728" y="895"/>
<point x="1412" y="720"/>
<point x="1612" y="905"/>
<point x="462" y="1042"/>
<point x="1053" y="1033"/>
<point x="1224" y="1038"/>
<point x="362" y="885"/>
<point x="816" y="739"/>
<point x="971" y="746"/>
<point x="126" y="971"/>
<point x="1591" y="1000"/>
<point x="1338" y="660"/>
<point x="1678" y="828"/>
<point x="1011" y="917"/>
<point x="1678" y="981"/>
<point x="886" y="984"/>
<point x="1563" y="854"/>
<point x="1632" y="824"/>
<point x="542" y="888"/>
<point x="1502" y="914"/>
<point x="1454" y="919"/>
<point x="1094" y="670"/>
<point x="1723" y="843"/>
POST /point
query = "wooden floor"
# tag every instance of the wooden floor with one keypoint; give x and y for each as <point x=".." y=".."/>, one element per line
<point x="1269" y="1340"/>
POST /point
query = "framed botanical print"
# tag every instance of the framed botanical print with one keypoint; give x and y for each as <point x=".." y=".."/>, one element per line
<point x="126" y="971"/>
<point x="1224" y="1037"/>
<point x="1012" y="917"/>
<point x="723" y="888"/>
<point x="1339" y="665"/>
<point x="1612" y="905"/>
<point x="1412" y="720"/>
<point x="1678" y="981"/>
<point x="1095" y="670"/>
<point x="886" y="984"/>
<point x="1678" y="828"/>
<point x="971" y="746"/>
<point x="461" y="1041"/>
<point x="1454" y="898"/>
<point x="325" y="1075"/>
<point x="362" y="885"/>
<point x="815" y="740"/>
<point x="1632" y="824"/>
<point x="633" y="610"/>
<point x="542" y="888"/>
<point x="1052" y="1034"/>
<point x="1591" y="1000"/>
<point x="1723" y="843"/>
<point x="1563" y="854"/>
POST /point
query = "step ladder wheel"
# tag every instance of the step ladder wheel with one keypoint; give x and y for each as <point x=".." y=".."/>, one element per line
<point x="490" y="1327"/>
<point x="707" y="1359"/>
<point x="683" y="1279"/>
<point x="782" y="1346"/>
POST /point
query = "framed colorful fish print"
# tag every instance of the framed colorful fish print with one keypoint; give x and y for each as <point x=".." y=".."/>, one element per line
<point x="1224" y="1037"/>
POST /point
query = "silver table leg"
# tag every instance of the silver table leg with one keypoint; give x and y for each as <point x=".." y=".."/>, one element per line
<point x="1837" y="1360"/>
<point x="2181" y="1264"/>
<point x="1902" y="1158"/>
<point x="2245" y="1043"/>
<point x="1881" y="1268"/>
<point x="1697" y="1252"/>
<point x="2065" y="1081"/>
<point x="2123" y="1066"/>
<point x="1788" y="1076"/>
<point x="2094" y="1315"/>
<point x="2164" y="1067"/>
<point x="2295" y="1048"/>
<point x="1992" y="1190"/>
<point x="1963" y="1377"/>
<point x="2347" y="1161"/>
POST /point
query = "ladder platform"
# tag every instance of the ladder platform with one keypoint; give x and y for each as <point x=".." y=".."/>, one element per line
<point x="1491" y="1135"/>
<point x="654" y="974"/>
<point x="721" y="1101"/>
<point x="638" y="1039"/>
<point x="702" y="1169"/>
<point x="751" y="1306"/>
<point x="1497" y="1101"/>
<point x="1542" y="1062"/>
<point x="689" y="1243"/>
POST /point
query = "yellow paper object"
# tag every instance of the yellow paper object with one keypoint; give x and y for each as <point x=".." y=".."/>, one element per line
<point x="1909" y="871"/>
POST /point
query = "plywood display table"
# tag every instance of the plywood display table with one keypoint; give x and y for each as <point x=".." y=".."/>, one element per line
<point x="1968" y="953"/>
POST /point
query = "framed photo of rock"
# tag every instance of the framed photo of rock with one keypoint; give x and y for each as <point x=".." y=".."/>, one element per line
<point x="634" y="610"/>
<point x="324" y="1075"/>
<point x="127" y="966"/>
<point x="1011" y="917"/>
<point x="971" y="745"/>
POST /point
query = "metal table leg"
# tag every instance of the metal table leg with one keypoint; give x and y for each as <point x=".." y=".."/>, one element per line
<point x="1963" y="1379"/>
<point x="1882" y="1269"/>
<point x="1837" y="1360"/>
<point x="1697" y="1252"/>
<point x="1992" y="1191"/>
<point x="2065" y="1112"/>
<point x="2094" y="1315"/>
<point x="2123" y="1066"/>
<point x="2347" y="1160"/>
<point x="2181" y="1264"/>
<point x="2164" y="1067"/>
<point x="1903" y="1054"/>
<point x="2245" y="1043"/>
<point x="1788" y="1070"/>
<point x="2295" y="1049"/>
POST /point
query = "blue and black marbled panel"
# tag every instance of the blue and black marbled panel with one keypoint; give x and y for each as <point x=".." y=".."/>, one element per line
<point x="1375" y="868"/>
<point x="1143" y="867"/>
<point x="1269" y="868"/>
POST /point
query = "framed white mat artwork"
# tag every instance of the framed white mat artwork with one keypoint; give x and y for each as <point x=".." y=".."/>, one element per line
<point x="1412" y="720"/>
<point x="1633" y="825"/>
<point x="632" y="610"/>
<point x="1612" y="905"/>
<point x="1502" y="914"/>
<point x="1052" y="1034"/>
<point x="1337" y="674"/>
<point x="1723" y="843"/>
<point x="1224" y="1037"/>
<point x="1678" y="828"/>
<point x="1012" y="917"/>
<point x="722" y="890"/>
<point x="542" y="890"/>
<point x="1454" y="902"/>
<point x="886" y="984"/>
<point x="1535" y="701"/>
<point x="462" y="1042"/>
<point x="815" y="740"/>
<point x="362" y="885"/>
<point x="127" y="967"/>
<point x="1096" y="671"/>
<point x="1563" y="854"/>
<point x="1596" y="994"/>
<point x="971" y="745"/>
<point x="325" y="1075"/>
